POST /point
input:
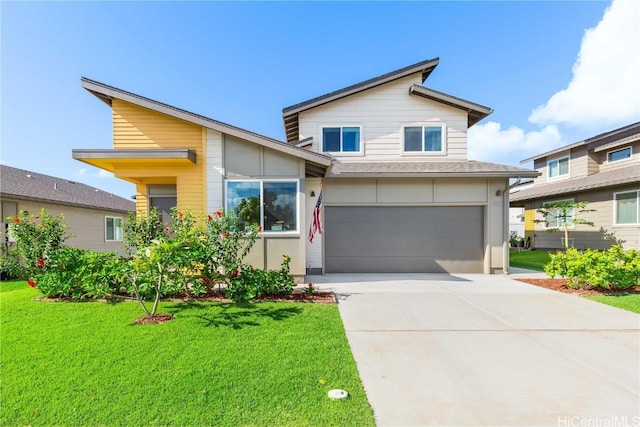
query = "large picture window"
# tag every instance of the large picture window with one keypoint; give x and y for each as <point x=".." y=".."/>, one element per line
<point x="424" y="139"/>
<point x="345" y="139"/>
<point x="113" y="229"/>
<point x="627" y="208"/>
<point x="272" y="204"/>
<point x="558" y="167"/>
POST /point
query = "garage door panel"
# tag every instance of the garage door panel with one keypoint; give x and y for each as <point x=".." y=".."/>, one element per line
<point x="403" y="239"/>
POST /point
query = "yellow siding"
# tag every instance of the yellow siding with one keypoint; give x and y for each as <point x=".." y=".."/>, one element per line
<point x="135" y="127"/>
<point x="529" y="224"/>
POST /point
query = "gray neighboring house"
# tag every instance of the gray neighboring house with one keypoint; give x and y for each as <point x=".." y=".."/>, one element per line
<point x="604" y="171"/>
<point x="94" y="215"/>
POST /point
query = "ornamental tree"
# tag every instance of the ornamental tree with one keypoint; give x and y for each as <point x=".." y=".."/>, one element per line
<point x="562" y="215"/>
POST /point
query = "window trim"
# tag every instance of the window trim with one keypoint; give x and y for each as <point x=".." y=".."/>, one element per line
<point x="115" y="234"/>
<point x="422" y="152"/>
<point x="629" y="147"/>
<point x="261" y="181"/>
<point x="615" y="209"/>
<point x="545" y="223"/>
<point x="559" y="176"/>
<point x="360" y="151"/>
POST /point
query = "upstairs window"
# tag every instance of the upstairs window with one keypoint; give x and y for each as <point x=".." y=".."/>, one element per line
<point x="424" y="139"/>
<point x="614" y="156"/>
<point x="113" y="229"/>
<point x="343" y="139"/>
<point x="558" y="167"/>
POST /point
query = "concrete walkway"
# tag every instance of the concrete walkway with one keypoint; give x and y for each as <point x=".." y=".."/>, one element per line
<point x="475" y="350"/>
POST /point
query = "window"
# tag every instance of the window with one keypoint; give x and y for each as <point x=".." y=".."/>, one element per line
<point x="272" y="204"/>
<point x="344" y="139"/>
<point x="627" y="208"/>
<point x="424" y="139"/>
<point x="113" y="229"/>
<point x="558" y="167"/>
<point x="614" y="156"/>
<point x="557" y="219"/>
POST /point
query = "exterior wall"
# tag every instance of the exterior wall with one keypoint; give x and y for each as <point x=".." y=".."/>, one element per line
<point x="246" y="160"/>
<point x="601" y="236"/>
<point x="516" y="223"/>
<point x="136" y="127"/>
<point x="427" y="192"/>
<point x="381" y="113"/>
<point x="579" y="163"/>
<point x="86" y="226"/>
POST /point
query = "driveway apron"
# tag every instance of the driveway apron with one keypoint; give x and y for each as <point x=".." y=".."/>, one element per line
<point x="476" y="350"/>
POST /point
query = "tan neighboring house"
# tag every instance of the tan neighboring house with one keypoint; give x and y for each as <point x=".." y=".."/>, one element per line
<point x="388" y="155"/>
<point x="605" y="172"/>
<point x="94" y="216"/>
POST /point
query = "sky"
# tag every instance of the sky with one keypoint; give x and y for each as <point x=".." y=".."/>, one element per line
<point x="553" y="72"/>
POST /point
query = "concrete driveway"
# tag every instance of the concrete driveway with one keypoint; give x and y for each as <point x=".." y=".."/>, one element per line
<point x="475" y="350"/>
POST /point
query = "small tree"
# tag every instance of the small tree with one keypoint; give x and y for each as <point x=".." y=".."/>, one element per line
<point x="564" y="212"/>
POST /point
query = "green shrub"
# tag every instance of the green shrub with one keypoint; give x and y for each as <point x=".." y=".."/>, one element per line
<point x="38" y="237"/>
<point x="614" y="268"/>
<point x="10" y="265"/>
<point x="253" y="283"/>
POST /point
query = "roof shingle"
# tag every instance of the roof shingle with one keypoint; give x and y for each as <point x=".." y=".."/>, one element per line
<point x="24" y="184"/>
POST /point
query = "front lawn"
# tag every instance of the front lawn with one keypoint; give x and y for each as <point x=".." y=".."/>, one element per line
<point x="629" y="302"/>
<point x="532" y="260"/>
<point x="216" y="364"/>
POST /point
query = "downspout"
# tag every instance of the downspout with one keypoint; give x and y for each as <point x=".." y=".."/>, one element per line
<point x="505" y="223"/>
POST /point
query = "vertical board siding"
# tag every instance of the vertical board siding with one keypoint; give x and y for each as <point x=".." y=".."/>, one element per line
<point x="381" y="113"/>
<point x="135" y="127"/>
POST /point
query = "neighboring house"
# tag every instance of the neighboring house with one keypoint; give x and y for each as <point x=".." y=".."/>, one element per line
<point x="388" y="155"/>
<point x="94" y="216"/>
<point x="605" y="172"/>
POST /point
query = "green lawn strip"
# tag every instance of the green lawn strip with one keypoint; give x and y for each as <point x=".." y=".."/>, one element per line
<point x="532" y="260"/>
<point x="265" y="364"/>
<point x="629" y="302"/>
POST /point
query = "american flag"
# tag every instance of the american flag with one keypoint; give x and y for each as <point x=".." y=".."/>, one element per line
<point x="315" y="223"/>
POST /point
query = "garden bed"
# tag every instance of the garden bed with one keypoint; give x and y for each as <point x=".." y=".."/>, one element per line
<point x="561" y="286"/>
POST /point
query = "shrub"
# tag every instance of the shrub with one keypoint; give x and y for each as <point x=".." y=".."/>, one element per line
<point x="139" y="232"/>
<point x="253" y="283"/>
<point x="38" y="237"/>
<point x="610" y="269"/>
<point x="10" y="266"/>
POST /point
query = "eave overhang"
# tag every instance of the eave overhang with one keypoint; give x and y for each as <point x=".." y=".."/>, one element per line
<point x="111" y="159"/>
<point x="475" y="112"/>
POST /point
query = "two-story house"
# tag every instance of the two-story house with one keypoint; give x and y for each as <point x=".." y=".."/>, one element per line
<point x="388" y="155"/>
<point x="603" y="171"/>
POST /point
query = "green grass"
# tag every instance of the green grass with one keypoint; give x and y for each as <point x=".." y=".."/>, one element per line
<point x="629" y="302"/>
<point x="532" y="260"/>
<point x="263" y="364"/>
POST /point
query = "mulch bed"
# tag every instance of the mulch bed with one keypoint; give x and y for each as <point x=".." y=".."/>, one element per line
<point x="561" y="285"/>
<point x="297" y="295"/>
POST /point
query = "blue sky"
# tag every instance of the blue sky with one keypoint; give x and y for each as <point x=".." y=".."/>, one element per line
<point x="241" y="63"/>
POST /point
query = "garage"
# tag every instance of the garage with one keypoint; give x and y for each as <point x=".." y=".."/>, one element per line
<point x="403" y="239"/>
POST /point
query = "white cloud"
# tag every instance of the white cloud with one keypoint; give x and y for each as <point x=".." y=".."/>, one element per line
<point x="605" y="87"/>
<point x="100" y="173"/>
<point x="489" y="142"/>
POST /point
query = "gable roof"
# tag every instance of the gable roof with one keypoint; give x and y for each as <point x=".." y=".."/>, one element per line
<point x="618" y="176"/>
<point x="610" y="138"/>
<point x="453" y="169"/>
<point x="24" y="184"/>
<point x="107" y="93"/>
<point x="290" y="114"/>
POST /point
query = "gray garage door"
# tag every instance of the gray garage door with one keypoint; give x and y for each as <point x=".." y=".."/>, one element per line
<point x="403" y="239"/>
